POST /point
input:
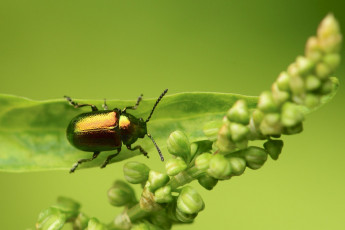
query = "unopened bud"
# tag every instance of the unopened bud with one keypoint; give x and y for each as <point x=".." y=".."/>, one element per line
<point x="94" y="224"/>
<point x="157" y="180"/>
<point x="189" y="201"/>
<point x="207" y="181"/>
<point x="291" y="114"/>
<point x="254" y="156"/>
<point x="174" y="166"/>
<point x="274" y="148"/>
<point x="238" y="131"/>
<point x="121" y="194"/>
<point x="312" y="83"/>
<point x="178" y="145"/>
<point x="211" y="129"/>
<point x="238" y="165"/>
<point x="136" y="172"/>
<point x="219" y="167"/>
<point x="266" y="102"/>
<point x="50" y="218"/>
<point x="163" y="194"/>
<point x="239" y="113"/>
<point x="202" y="161"/>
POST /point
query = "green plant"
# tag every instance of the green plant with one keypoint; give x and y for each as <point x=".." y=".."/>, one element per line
<point x="222" y="151"/>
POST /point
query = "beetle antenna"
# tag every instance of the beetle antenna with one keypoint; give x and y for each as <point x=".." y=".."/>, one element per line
<point x="158" y="100"/>
<point x="159" y="151"/>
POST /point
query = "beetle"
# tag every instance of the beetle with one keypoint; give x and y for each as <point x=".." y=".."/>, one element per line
<point x="106" y="130"/>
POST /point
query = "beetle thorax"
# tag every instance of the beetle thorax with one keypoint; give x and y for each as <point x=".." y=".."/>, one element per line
<point x="131" y="128"/>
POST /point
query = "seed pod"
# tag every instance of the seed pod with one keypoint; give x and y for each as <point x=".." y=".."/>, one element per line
<point x="283" y="81"/>
<point x="50" y="218"/>
<point x="121" y="194"/>
<point x="271" y="124"/>
<point x="157" y="180"/>
<point x="211" y="129"/>
<point x="202" y="161"/>
<point x="189" y="201"/>
<point x="136" y="172"/>
<point x="81" y="221"/>
<point x="238" y="165"/>
<point x="239" y="113"/>
<point x="207" y="181"/>
<point x="67" y="206"/>
<point x="312" y="82"/>
<point x="266" y="103"/>
<point x="174" y="166"/>
<point x="219" y="167"/>
<point x="291" y="114"/>
<point x="238" y="131"/>
<point x="254" y="156"/>
<point x="163" y="194"/>
<point x="178" y="145"/>
<point x="274" y="148"/>
<point x="94" y="224"/>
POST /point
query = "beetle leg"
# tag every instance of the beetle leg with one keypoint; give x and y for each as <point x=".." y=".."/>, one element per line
<point x="140" y="149"/>
<point x="76" y="105"/>
<point x="110" y="157"/>
<point x="95" y="155"/>
<point x="105" y="106"/>
<point x="136" y="104"/>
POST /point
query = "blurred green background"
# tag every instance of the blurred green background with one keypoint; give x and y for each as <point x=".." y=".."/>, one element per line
<point x="119" y="49"/>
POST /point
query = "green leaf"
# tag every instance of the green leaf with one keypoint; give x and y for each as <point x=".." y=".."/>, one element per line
<point x="33" y="133"/>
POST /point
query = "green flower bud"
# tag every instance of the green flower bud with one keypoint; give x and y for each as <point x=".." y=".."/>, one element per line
<point x="329" y="34"/>
<point x="238" y="165"/>
<point x="163" y="194"/>
<point x="254" y="156"/>
<point x="174" y="166"/>
<point x="326" y="87"/>
<point x="293" y="70"/>
<point x="121" y="194"/>
<point x="157" y="180"/>
<point x="323" y="70"/>
<point x="242" y="144"/>
<point x="211" y="129"/>
<point x="258" y="116"/>
<point x="283" y="81"/>
<point x="278" y="95"/>
<point x="311" y="100"/>
<point x="94" y="224"/>
<point x="81" y="221"/>
<point x="266" y="102"/>
<point x="274" y="148"/>
<point x="67" y="206"/>
<point x="313" y="49"/>
<point x="184" y="217"/>
<point x="189" y="201"/>
<point x="202" y="161"/>
<point x="271" y="124"/>
<point x="304" y="65"/>
<point x="291" y="114"/>
<point x="219" y="167"/>
<point x="293" y="129"/>
<point x="312" y="83"/>
<point x="224" y="144"/>
<point x="239" y="113"/>
<point x="136" y="172"/>
<point x="238" y="131"/>
<point x="297" y="85"/>
<point x="332" y="60"/>
<point x="50" y="219"/>
<point x="207" y="181"/>
<point x="178" y="145"/>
